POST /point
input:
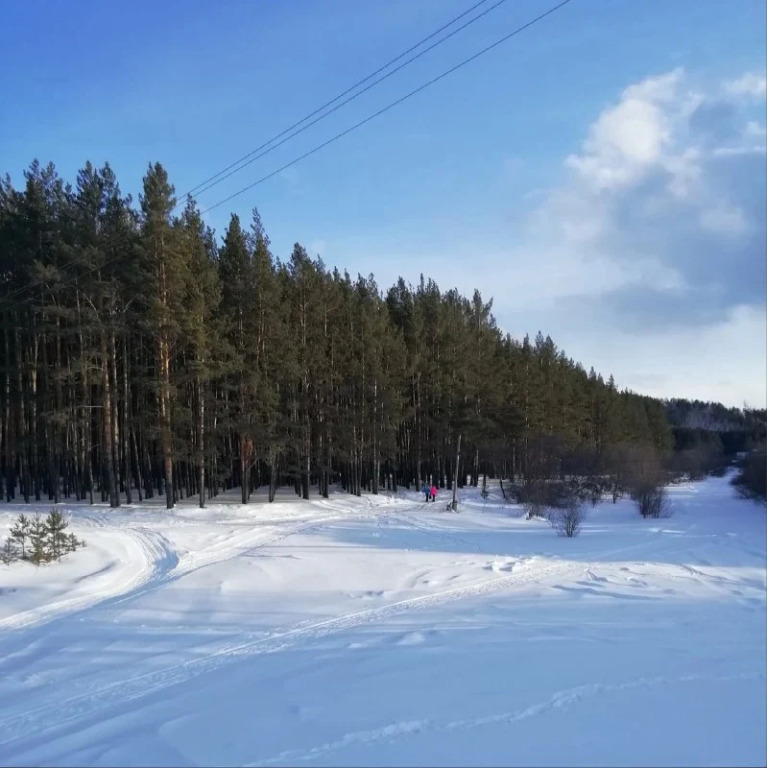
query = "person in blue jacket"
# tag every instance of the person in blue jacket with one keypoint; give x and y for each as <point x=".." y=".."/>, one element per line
<point x="426" y="491"/>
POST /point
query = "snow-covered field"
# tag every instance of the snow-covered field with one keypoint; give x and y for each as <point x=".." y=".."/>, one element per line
<point x="382" y="631"/>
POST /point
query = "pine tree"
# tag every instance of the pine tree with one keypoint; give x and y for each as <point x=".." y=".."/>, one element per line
<point x="56" y="539"/>
<point x="273" y="356"/>
<point x="236" y="276"/>
<point x="21" y="532"/>
<point x="71" y="543"/>
<point x="166" y="275"/>
<point x="40" y="552"/>
<point x="9" y="552"/>
<point x="200" y="332"/>
<point x="136" y="355"/>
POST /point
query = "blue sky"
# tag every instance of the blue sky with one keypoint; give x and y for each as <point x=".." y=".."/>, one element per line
<point x="601" y="175"/>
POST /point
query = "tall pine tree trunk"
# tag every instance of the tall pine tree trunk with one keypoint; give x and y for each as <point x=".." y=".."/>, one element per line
<point x="126" y="426"/>
<point x="107" y="428"/>
<point x="201" y="441"/>
<point x="10" y="453"/>
<point x="244" y="469"/>
<point x="272" y="475"/>
<point x="454" y="503"/>
<point x="165" y="420"/>
<point x="33" y="425"/>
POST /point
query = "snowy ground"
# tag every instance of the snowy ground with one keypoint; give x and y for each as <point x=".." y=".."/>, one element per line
<point x="380" y="631"/>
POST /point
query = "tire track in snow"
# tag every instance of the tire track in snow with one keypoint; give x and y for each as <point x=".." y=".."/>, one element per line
<point x="559" y="700"/>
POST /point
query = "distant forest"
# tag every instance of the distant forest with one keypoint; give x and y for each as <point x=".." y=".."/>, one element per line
<point x="141" y="356"/>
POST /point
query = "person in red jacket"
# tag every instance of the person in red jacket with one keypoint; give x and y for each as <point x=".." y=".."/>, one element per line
<point x="434" y="493"/>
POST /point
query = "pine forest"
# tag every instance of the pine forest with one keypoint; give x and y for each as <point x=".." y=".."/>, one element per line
<point x="142" y="356"/>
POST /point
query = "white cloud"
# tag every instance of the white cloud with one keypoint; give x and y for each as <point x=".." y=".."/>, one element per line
<point x="751" y="84"/>
<point x="646" y="261"/>
<point x="629" y="137"/>
<point x="754" y="130"/>
<point x="655" y="174"/>
<point x="661" y="88"/>
<point x="685" y="173"/>
<point x="740" y="151"/>
<point x="726" y="220"/>
<point x="725" y="362"/>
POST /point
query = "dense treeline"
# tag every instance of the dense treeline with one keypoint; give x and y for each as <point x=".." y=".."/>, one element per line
<point x="708" y="436"/>
<point x="715" y="417"/>
<point x="139" y="355"/>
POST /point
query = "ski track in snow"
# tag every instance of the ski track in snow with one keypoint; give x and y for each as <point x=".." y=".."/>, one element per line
<point x="160" y="563"/>
<point x="51" y="717"/>
<point x="157" y="561"/>
<point x="559" y="700"/>
<point x="162" y="566"/>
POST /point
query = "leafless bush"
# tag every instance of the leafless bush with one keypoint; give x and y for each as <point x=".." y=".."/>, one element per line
<point x="634" y="467"/>
<point x="539" y="495"/>
<point x="533" y="497"/>
<point x="652" y="501"/>
<point x="567" y="522"/>
<point x="645" y="478"/>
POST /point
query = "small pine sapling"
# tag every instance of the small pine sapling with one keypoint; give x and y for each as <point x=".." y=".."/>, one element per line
<point x="21" y="533"/>
<point x="9" y="552"/>
<point x="72" y="543"/>
<point x="39" y="537"/>
<point x="56" y="525"/>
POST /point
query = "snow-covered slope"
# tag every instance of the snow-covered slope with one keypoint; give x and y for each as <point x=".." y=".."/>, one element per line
<point x="382" y="631"/>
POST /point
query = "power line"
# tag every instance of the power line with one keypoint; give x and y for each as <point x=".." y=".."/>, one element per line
<point x="246" y="160"/>
<point x="24" y="289"/>
<point x="344" y="93"/>
<point x="222" y="175"/>
<point x="390" y="105"/>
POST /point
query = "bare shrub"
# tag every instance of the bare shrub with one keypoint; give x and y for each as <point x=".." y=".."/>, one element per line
<point x="652" y="501"/>
<point x="587" y="490"/>
<point x="567" y="522"/>
<point x="632" y="467"/>
<point x="538" y="496"/>
<point x="645" y="478"/>
<point x="532" y="496"/>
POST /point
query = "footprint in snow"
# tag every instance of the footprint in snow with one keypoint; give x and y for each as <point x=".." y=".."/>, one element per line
<point x="411" y="638"/>
<point x="593" y="577"/>
<point x="368" y="595"/>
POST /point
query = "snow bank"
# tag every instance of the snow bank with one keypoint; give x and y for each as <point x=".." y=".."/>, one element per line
<point x="380" y="631"/>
